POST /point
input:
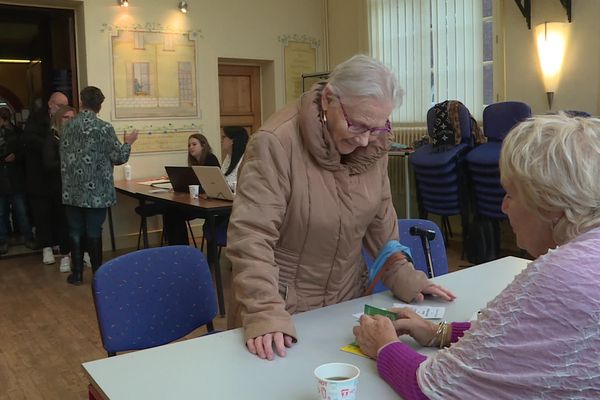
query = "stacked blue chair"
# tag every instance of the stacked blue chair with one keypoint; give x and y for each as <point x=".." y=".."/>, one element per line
<point x="483" y="161"/>
<point x="438" y="249"/>
<point x="440" y="175"/>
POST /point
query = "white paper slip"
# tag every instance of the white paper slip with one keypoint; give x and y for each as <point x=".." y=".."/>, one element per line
<point x="357" y="315"/>
<point x="426" y="312"/>
<point x="151" y="182"/>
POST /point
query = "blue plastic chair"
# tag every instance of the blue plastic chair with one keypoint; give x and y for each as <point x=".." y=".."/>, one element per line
<point x="152" y="297"/>
<point x="438" y="249"/>
<point x="483" y="161"/>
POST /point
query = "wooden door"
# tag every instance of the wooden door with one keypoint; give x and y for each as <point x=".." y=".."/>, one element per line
<point x="239" y="96"/>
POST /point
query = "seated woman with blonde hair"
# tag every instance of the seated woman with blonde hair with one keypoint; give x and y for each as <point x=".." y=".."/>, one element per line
<point x="540" y="337"/>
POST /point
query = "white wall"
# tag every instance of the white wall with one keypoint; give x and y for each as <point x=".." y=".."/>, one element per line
<point x="579" y="86"/>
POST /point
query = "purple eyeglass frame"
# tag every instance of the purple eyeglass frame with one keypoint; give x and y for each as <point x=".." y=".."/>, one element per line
<point x="359" y="130"/>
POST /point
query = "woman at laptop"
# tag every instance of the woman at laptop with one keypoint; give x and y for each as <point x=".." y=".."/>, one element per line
<point x="233" y="148"/>
<point x="200" y="152"/>
<point x="313" y="190"/>
<point x="174" y="219"/>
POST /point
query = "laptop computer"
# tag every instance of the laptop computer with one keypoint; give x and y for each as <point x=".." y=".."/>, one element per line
<point x="214" y="183"/>
<point x="181" y="178"/>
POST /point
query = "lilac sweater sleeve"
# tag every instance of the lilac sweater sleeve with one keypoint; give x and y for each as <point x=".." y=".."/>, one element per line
<point x="397" y="364"/>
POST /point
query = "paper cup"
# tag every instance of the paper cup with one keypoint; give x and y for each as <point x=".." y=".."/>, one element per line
<point x="194" y="190"/>
<point x="337" y="381"/>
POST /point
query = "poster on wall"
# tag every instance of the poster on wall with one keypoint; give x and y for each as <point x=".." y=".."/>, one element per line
<point x="300" y="57"/>
<point x="154" y="74"/>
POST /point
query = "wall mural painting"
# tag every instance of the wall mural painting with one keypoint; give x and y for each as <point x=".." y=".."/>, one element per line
<point x="154" y="74"/>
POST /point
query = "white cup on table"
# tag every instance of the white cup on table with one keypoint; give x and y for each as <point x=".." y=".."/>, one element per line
<point x="337" y="381"/>
<point x="194" y="191"/>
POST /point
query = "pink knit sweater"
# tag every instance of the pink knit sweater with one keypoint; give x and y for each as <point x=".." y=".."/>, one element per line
<point x="397" y="364"/>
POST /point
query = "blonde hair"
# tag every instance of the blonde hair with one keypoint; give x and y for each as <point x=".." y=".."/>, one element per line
<point x="57" y="121"/>
<point x="553" y="162"/>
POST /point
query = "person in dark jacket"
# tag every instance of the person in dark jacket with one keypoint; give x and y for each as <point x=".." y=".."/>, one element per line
<point x="37" y="132"/>
<point x="12" y="178"/>
<point x="51" y="170"/>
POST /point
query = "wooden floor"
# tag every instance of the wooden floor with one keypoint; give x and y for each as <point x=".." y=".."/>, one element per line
<point x="48" y="328"/>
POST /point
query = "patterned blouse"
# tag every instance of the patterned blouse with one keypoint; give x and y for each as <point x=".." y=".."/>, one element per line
<point x="88" y="150"/>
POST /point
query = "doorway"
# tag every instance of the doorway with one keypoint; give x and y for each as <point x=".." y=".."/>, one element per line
<point x="239" y="96"/>
<point x="37" y="57"/>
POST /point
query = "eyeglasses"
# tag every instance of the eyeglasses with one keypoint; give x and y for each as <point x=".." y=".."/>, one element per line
<point x="360" y="129"/>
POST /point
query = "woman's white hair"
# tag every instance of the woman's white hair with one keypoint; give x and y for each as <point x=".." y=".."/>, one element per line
<point x="364" y="76"/>
<point x="553" y="161"/>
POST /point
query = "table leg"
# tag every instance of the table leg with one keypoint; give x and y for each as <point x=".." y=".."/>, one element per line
<point x="407" y="186"/>
<point x="214" y="262"/>
<point x="111" y="229"/>
<point x="144" y="226"/>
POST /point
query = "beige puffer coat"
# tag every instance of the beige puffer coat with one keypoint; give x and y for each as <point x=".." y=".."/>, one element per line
<point x="301" y="214"/>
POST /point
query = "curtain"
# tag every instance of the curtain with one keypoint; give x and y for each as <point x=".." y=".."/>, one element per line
<point x="435" y="48"/>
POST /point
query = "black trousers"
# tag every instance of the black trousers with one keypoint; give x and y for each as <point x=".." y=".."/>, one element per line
<point x="50" y="221"/>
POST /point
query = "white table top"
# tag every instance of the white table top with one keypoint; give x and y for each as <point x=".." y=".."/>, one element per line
<point x="219" y="367"/>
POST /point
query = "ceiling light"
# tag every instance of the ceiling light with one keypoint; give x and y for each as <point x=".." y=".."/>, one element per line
<point x="124" y="3"/>
<point x="183" y="7"/>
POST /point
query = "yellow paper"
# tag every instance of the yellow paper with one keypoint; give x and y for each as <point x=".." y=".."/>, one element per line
<point x="354" y="349"/>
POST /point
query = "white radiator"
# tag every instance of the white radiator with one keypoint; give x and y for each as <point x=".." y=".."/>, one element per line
<point x="409" y="134"/>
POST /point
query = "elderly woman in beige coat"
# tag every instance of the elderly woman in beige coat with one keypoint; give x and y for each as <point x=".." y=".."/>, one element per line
<point x="312" y="191"/>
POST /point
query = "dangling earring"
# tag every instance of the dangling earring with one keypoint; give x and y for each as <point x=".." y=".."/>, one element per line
<point x="324" y="117"/>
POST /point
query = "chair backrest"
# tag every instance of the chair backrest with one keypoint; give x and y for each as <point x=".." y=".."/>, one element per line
<point x="464" y="120"/>
<point x="152" y="297"/>
<point x="500" y="118"/>
<point x="438" y="249"/>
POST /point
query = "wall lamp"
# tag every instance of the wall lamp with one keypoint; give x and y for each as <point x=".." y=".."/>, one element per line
<point x="551" y="38"/>
<point x="183" y="7"/>
<point x="124" y="3"/>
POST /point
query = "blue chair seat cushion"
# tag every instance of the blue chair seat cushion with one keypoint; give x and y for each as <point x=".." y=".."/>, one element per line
<point x="485" y="154"/>
<point x="426" y="157"/>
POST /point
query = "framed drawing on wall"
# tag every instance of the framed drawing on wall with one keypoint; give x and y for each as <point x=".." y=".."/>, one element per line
<point x="299" y="57"/>
<point x="154" y="74"/>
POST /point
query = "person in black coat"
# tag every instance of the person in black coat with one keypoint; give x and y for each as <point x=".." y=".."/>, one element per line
<point x="36" y="134"/>
<point x="51" y="171"/>
<point x="12" y="186"/>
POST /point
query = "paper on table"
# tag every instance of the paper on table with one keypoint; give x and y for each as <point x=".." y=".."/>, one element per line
<point x="354" y="349"/>
<point x="153" y="181"/>
<point x="426" y="312"/>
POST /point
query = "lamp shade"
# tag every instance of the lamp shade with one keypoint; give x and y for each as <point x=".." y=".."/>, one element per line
<point x="551" y="38"/>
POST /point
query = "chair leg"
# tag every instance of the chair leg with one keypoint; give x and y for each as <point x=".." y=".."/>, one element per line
<point x="140" y="232"/>
<point x="202" y="243"/>
<point x="192" y="233"/>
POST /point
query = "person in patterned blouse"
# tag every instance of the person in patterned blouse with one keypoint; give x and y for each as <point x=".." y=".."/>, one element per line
<point x="89" y="149"/>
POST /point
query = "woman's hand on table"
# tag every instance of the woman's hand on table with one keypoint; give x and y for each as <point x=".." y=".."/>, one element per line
<point x="435" y="290"/>
<point x="373" y="333"/>
<point x="263" y="346"/>
<point x="410" y="323"/>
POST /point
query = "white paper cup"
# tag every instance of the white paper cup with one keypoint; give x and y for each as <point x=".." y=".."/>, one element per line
<point x="194" y="191"/>
<point x="337" y="381"/>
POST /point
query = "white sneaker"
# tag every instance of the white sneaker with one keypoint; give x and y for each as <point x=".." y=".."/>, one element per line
<point x="86" y="260"/>
<point x="65" y="264"/>
<point x="48" y="256"/>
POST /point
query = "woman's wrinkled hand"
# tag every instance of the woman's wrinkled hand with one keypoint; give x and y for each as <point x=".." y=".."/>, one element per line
<point x="435" y="290"/>
<point x="262" y="346"/>
<point x="373" y="333"/>
<point x="410" y="323"/>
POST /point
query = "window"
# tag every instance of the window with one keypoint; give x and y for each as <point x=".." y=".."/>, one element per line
<point x="141" y="78"/>
<point x="186" y="84"/>
<point x="440" y="50"/>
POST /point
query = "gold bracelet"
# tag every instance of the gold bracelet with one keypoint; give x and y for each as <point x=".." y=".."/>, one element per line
<point x="436" y="336"/>
<point x="444" y="342"/>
